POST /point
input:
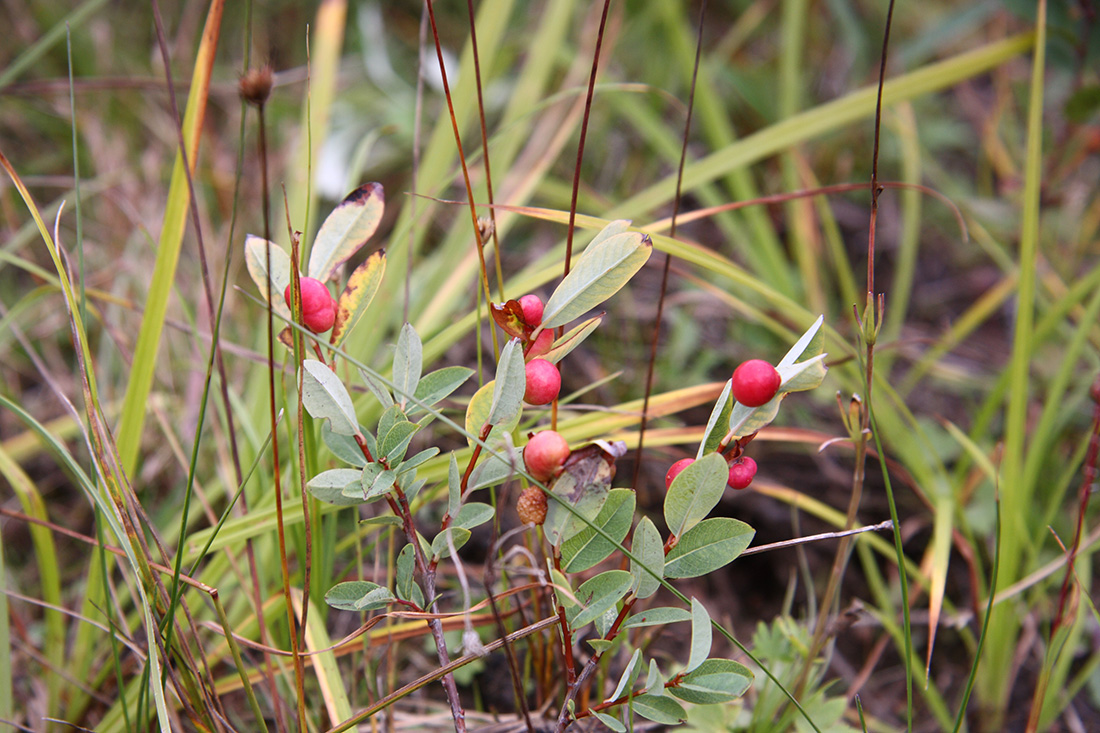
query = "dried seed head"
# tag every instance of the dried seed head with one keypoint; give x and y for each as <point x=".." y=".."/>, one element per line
<point x="255" y="85"/>
<point x="531" y="506"/>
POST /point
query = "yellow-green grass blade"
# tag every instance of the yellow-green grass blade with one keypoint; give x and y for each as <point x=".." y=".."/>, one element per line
<point x="825" y="118"/>
<point x="1016" y="496"/>
<point x="6" y="709"/>
<point x="329" y="679"/>
<point x="325" y="48"/>
<point x="168" y="249"/>
<point x="49" y="576"/>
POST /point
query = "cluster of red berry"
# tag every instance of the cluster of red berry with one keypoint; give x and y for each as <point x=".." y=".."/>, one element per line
<point x="543" y="378"/>
<point x="755" y="383"/>
<point x="318" y="305"/>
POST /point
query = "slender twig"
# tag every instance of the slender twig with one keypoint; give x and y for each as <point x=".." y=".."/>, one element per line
<point x="676" y="200"/>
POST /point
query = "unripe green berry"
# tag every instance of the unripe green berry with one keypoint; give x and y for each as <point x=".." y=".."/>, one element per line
<point x="675" y="470"/>
<point x="755" y="382"/>
<point x="545" y="454"/>
<point x="543" y="382"/>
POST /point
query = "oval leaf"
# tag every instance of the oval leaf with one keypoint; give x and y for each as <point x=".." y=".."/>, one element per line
<point x="408" y="362"/>
<point x="346" y="230"/>
<point x="605" y="266"/>
<point x="658" y="617"/>
<point x="660" y="709"/>
<point x="701" y="636"/>
<point x="587" y="548"/>
<point x="648" y="547"/>
<point x="695" y="492"/>
<point x="325" y="397"/>
<point x="255" y="258"/>
<point x="328" y="486"/>
<point x="473" y="514"/>
<point x="597" y="595"/>
<point x="437" y="385"/>
<point x="713" y="681"/>
<point x="358" y="595"/>
<point x="509" y="385"/>
<point x="357" y="296"/>
<point x="442" y="548"/>
<point x="477" y="414"/>
<point x="708" y="546"/>
<point x="572" y="339"/>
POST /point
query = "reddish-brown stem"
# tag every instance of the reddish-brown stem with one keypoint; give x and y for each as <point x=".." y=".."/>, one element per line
<point x="1084" y="493"/>
<point x="640" y="451"/>
<point x="462" y="161"/>
<point x="482" y="437"/>
<point x="566" y="635"/>
<point x="592" y="663"/>
<point x="362" y="443"/>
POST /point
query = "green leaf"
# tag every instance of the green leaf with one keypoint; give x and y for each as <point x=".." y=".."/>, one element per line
<point x="695" y="492"/>
<point x="509" y="385"/>
<point x="605" y="621"/>
<point x="701" y="635"/>
<point x="358" y="595"/>
<point x="587" y="548"/>
<point x="380" y="483"/>
<point x="255" y="258"/>
<point x="328" y="486"/>
<point x="563" y="591"/>
<point x="362" y="286"/>
<point x="747" y="420"/>
<point x="325" y="397"/>
<point x="494" y="470"/>
<point x="377" y="388"/>
<point x="658" y="616"/>
<point x="719" y="419"/>
<point x="440" y="546"/>
<point x="629" y="675"/>
<point x="473" y="514"/>
<point x="416" y="461"/>
<point x="660" y="709"/>
<point x="809" y="344"/>
<point x="437" y="385"/>
<point x="708" y="546"/>
<point x="598" y="595"/>
<point x="405" y="585"/>
<point x="346" y="230"/>
<point x="454" y="487"/>
<point x="613" y="723"/>
<point x="407" y="364"/>
<point x="477" y="414"/>
<point x="396" y="441"/>
<point x="803" y="375"/>
<point x="648" y="547"/>
<point x="600" y="645"/>
<point x="343" y="447"/>
<point x="571" y="339"/>
<point x="713" y="681"/>
<point x="390" y="417"/>
<point x="654" y="680"/>
<point x="606" y="266"/>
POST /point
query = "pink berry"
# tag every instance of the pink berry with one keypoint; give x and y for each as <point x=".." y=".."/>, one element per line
<point x="542" y="344"/>
<point x="676" y="469"/>
<point x="532" y="309"/>
<point x="318" y="307"/>
<point x="545" y="454"/>
<point x="755" y="382"/>
<point x="742" y="473"/>
<point x="543" y="382"/>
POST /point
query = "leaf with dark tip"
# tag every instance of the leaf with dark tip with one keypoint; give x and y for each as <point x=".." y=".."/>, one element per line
<point x="360" y="290"/>
<point x="346" y="230"/>
<point x="606" y="265"/>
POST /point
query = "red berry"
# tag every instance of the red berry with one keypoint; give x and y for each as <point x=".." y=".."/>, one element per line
<point x="543" y="382"/>
<point x="541" y="344"/>
<point x="544" y="454"/>
<point x="676" y="468"/>
<point x="532" y="309"/>
<point x="318" y="306"/>
<point x="755" y="382"/>
<point x="531" y="506"/>
<point x="742" y="473"/>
